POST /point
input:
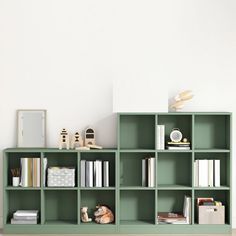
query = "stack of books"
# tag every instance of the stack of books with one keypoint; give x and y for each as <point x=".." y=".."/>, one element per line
<point x="148" y="172"/>
<point x="178" y="145"/>
<point x="177" y="218"/>
<point x="30" y="172"/>
<point x="207" y="173"/>
<point x="25" y="217"/>
<point x="94" y="173"/>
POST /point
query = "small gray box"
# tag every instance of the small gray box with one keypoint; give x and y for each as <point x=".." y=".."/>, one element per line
<point x="211" y="215"/>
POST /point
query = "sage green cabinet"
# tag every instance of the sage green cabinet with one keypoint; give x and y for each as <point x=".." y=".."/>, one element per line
<point x="135" y="206"/>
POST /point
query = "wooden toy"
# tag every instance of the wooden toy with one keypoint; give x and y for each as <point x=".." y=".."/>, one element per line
<point x="77" y="141"/>
<point x="64" y="139"/>
<point x="103" y="215"/>
<point x="84" y="215"/>
<point x="89" y="137"/>
<point x="179" y="100"/>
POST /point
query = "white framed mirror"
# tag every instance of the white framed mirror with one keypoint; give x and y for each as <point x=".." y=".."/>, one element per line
<point x="31" y="128"/>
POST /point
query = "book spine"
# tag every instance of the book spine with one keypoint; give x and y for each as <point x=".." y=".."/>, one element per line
<point x="16" y="217"/>
<point x="34" y="172"/>
<point x="203" y="173"/>
<point x="196" y="172"/>
<point x="162" y="137"/>
<point x="210" y="173"/>
<point x="151" y="172"/>
<point x="98" y="173"/>
<point x="82" y="173"/>
<point x="158" y="137"/>
<point x="24" y="172"/>
<point x="144" y="172"/>
<point x="38" y="161"/>
<point x="217" y="173"/>
<point x="106" y="174"/>
<point x="45" y="163"/>
<point x="89" y="174"/>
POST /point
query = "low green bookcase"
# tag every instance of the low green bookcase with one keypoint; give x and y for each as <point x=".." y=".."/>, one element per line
<point x="135" y="207"/>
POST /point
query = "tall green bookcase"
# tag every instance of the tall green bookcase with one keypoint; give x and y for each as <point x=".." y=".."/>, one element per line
<point x="135" y="207"/>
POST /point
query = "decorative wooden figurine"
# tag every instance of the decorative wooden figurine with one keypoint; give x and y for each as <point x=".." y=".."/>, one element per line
<point x="77" y="141"/>
<point x="89" y="137"/>
<point x="179" y="100"/>
<point x="64" y="139"/>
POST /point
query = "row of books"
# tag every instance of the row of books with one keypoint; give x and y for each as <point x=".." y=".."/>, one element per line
<point x="207" y="173"/>
<point x="94" y="173"/>
<point x="30" y="172"/>
<point x="25" y="217"/>
<point x="178" y="145"/>
<point x="176" y="217"/>
<point x="148" y="172"/>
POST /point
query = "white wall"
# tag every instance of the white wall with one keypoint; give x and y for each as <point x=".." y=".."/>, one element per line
<point x="62" y="56"/>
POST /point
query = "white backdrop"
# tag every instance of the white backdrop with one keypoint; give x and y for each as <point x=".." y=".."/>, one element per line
<point x="62" y="55"/>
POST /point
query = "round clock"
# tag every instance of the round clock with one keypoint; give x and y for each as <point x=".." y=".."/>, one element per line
<point x="175" y="135"/>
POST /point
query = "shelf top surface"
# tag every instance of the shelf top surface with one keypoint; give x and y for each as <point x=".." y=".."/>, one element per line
<point x="176" y="113"/>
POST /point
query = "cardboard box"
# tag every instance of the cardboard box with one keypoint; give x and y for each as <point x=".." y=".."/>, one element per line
<point x="211" y="214"/>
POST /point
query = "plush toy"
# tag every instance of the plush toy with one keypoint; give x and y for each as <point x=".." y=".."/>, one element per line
<point x="180" y="99"/>
<point x="84" y="215"/>
<point x="103" y="215"/>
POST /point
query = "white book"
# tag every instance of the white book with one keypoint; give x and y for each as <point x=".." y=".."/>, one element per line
<point x="144" y="172"/>
<point x="24" y="172"/>
<point x="106" y="174"/>
<point x="23" y="222"/>
<point x="45" y="163"/>
<point x="82" y="173"/>
<point x="151" y="172"/>
<point x="187" y="209"/>
<point x="203" y="173"/>
<point x="210" y="173"/>
<point x="196" y="177"/>
<point x="89" y="174"/>
<point x="97" y="173"/>
<point x="178" y="148"/>
<point x="160" y="137"/>
<point x="217" y="173"/>
<point x="26" y="213"/>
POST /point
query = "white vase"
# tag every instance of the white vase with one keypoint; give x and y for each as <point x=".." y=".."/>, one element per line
<point x="15" y="181"/>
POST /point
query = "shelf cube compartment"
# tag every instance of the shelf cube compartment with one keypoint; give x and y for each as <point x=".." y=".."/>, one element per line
<point x="131" y="168"/>
<point x="174" y="169"/>
<point x="224" y="165"/>
<point x="60" y="206"/>
<point x="21" y="200"/>
<point x="179" y="121"/>
<point x="137" y="207"/>
<point x="137" y="132"/>
<point x="172" y="201"/>
<point x="212" y="131"/>
<point x="218" y="195"/>
<point x="12" y="161"/>
<point x="92" y="198"/>
<point x="65" y="159"/>
<point x="103" y="156"/>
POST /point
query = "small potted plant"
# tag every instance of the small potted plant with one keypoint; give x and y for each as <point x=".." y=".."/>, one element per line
<point x="15" y="177"/>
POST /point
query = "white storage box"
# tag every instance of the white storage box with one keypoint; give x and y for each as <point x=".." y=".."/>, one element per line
<point x="211" y="214"/>
<point x="61" y="177"/>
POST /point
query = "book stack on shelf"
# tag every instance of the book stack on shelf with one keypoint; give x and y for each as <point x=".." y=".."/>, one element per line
<point x="94" y="173"/>
<point x="178" y="145"/>
<point x="25" y="217"/>
<point x="161" y="137"/>
<point x="177" y="218"/>
<point x="30" y="172"/>
<point x="207" y="173"/>
<point x="148" y="172"/>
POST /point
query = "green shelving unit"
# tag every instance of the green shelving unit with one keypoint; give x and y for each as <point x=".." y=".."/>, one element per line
<point x="135" y="206"/>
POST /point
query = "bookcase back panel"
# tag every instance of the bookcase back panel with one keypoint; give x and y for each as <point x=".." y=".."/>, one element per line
<point x="182" y="122"/>
<point x="174" y="169"/>
<point x="171" y="201"/>
<point x="212" y="131"/>
<point x="22" y="200"/>
<point x="60" y="205"/>
<point x="224" y="164"/>
<point x="131" y="168"/>
<point x="218" y="195"/>
<point x="137" y="205"/>
<point x="13" y="161"/>
<point x="137" y="131"/>
<point x="96" y="197"/>
<point x="110" y="156"/>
